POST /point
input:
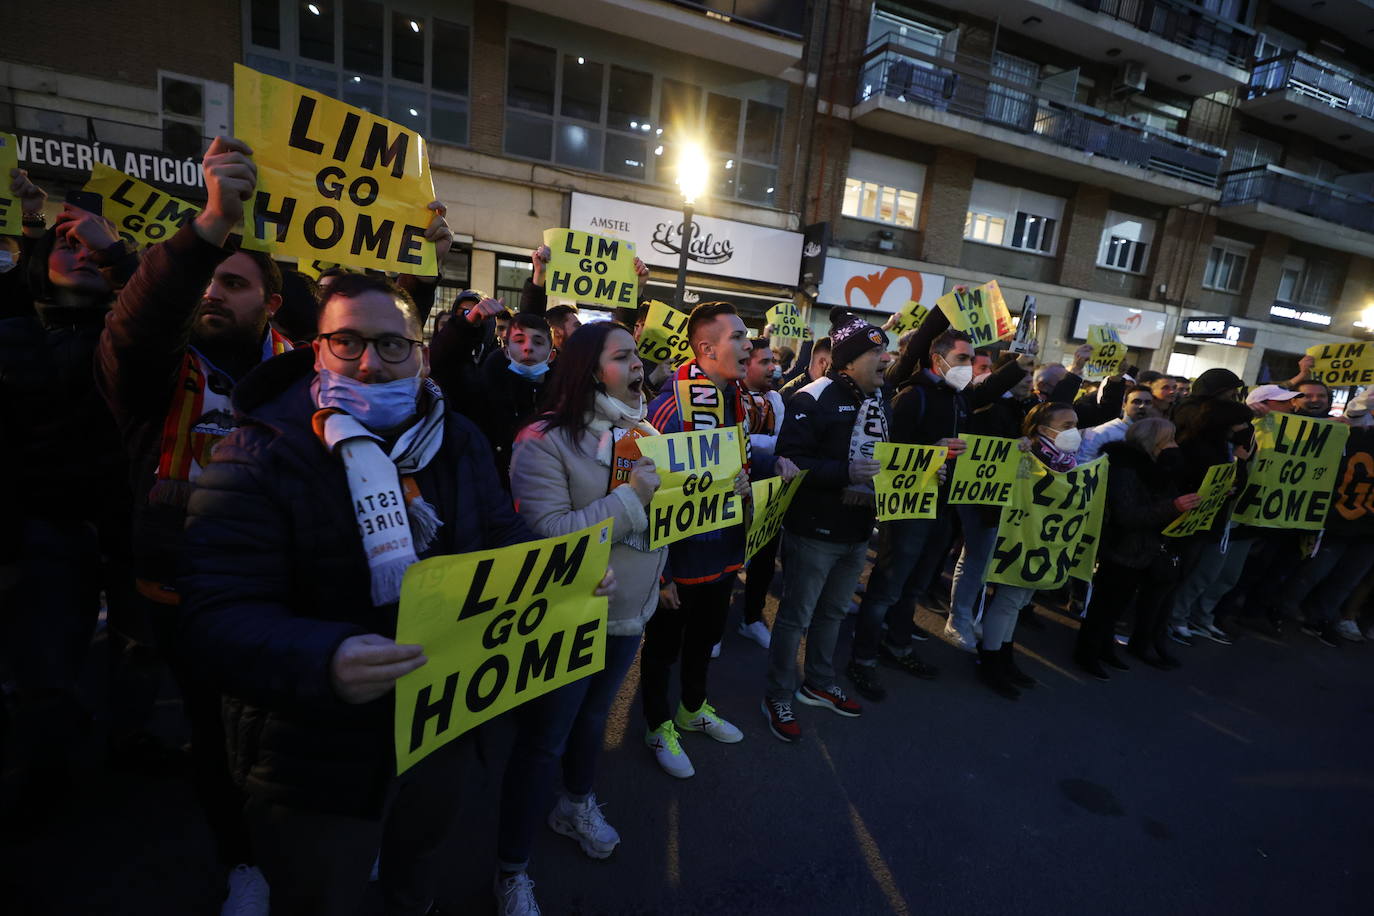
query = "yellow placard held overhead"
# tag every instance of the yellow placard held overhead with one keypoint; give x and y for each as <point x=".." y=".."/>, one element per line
<point x="1292" y="473"/>
<point x="141" y="213"/>
<point x="1343" y="364"/>
<point x="696" y="473"/>
<point x="1109" y="353"/>
<point x="335" y="183"/>
<point x="591" y="268"/>
<point x="664" y="337"/>
<point x="985" y="473"/>
<point x="786" y="320"/>
<point x="772" y="496"/>
<point x="980" y="312"/>
<point x="499" y="627"/>
<point x="907" y="484"/>
<point x="1212" y="496"/>
<point x="11" y="211"/>
<point x="911" y="316"/>
<point x="1051" y="529"/>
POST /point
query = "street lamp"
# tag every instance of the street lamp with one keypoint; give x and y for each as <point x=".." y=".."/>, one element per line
<point x="692" y="171"/>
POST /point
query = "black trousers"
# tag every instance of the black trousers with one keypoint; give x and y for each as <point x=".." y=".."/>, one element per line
<point x="687" y="631"/>
<point x="1114" y="588"/>
<point x="759" y="579"/>
<point x="317" y="864"/>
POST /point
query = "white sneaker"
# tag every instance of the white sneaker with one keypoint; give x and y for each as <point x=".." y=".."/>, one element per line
<point x="515" y="895"/>
<point x="715" y="651"/>
<point x="965" y="642"/>
<point x="1349" y="630"/>
<point x="705" y="720"/>
<point x="582" y="821"/>
<point x="248" y="893"/>
<point x="757" y="631"/>
<point x="667" y="748"/>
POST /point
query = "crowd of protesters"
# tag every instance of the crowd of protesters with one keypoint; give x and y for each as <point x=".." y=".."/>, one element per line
<point x="190" y="429"/>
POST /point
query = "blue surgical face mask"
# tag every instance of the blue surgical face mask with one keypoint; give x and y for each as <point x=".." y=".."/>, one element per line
<point x="533" y="373"/>
<point x="381" y="405"/>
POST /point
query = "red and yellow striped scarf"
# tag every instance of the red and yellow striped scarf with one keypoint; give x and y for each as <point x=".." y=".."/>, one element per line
<point x="201" y="415"/>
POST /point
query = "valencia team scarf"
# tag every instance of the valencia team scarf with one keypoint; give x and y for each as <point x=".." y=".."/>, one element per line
<point x="700" y="404"/>
<point x="870" y="427"/>
<point x="200" y="416"/>
<point x="395" y="522"/>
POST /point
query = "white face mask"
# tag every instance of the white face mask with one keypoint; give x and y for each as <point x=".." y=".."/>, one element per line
<point x="1068" y="441"/>
<point x="7" y="261"/>
<point x="380" y="405"/>
<point x="957" y="377"/>
<point x="533" y="373"/>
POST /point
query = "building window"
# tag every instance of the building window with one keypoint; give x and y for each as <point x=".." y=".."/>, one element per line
<point x="1226" y="263"/>
<point x="511" y="274"/>
<point x="604" y="122"/>
<point x="1126" y="243"/>
<point x="883" y="188"/>
<point x="380" y="56"/>
<point x="1033" y="217"/>
<point x="1309" y="282"/>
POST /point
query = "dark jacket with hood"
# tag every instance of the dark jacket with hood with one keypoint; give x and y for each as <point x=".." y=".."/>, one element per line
<point x="276" y="578"/>
<point x="500" y="404"/>
<point x="815" y="436"/>
<point x="1204" y="390"/>
<point x="1140" y="503"/>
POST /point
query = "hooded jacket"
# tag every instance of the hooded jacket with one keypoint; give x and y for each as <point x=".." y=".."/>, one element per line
<point x="1140" y="503"/>
<point x="276" y="578"/>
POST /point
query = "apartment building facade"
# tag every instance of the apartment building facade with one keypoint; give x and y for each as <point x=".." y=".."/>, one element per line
<point x="538" y="113"/>
<point x="1197" y="174"/>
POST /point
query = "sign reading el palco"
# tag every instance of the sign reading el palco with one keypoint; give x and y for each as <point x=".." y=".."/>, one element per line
<point x="73" y="154"/>
<point x="722" y="247"/>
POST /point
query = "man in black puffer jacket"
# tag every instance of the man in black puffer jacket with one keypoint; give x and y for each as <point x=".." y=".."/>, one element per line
<point x="290" y="606"/>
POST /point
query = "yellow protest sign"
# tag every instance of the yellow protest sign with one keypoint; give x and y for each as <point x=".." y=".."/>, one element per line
<point x="786" y="320"/>
<point x="771" y="496"/>
<point x="985" y="473"/>
<point x="981" y="313"/>
<point x="1052" y="527"/>
<point x="1343" y="364"/>
<point x="11" y="211"/>
<point x="906" y="484"/>
<point x="590" y="268"/>
<point x="141" y="213"/>
<point x="1108" y="355"/>
<point x="335" y="182"/>
<point x="664" y="337"/>
<point x="313" y="267"/>
<point x="696" y="493"/>
<point x="1212" y="495"/>
<point x="911" y="316"/>
<point x="1292" y="473"/>
<point x="499" y="627"/>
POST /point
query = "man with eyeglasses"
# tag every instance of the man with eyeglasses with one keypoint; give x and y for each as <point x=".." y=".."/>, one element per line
<point x="348" y="468"/>
<point x="190" y="323"/>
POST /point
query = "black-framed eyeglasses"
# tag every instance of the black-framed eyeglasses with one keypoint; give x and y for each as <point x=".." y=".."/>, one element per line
<point x="392" y="348"/>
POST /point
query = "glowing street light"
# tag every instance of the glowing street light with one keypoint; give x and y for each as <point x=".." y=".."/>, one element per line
<point x="693" y="170"/>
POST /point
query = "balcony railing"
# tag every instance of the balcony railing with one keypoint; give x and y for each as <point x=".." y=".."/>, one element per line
<point x="1278" y="187"/>
<point x="1315" y="78"/>
<point x="965" y="87"/>
<point x="1183" y="24"/>
<point x="785" y="17"/>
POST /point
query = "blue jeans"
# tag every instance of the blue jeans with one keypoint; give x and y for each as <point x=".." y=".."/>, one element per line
<point x="1321" y="584"/>
<point x="1216" y="574"/>
<point x="970" y="572"/>
<point x="570" y="723"/>
<point x="908" y="551"/>
<point x="818" y="582"/>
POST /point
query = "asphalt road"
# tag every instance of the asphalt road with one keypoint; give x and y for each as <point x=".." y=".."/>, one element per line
<point x="1241" y="784"/>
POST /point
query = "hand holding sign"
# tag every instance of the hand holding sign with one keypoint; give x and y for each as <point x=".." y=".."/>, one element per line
<point x="366" y="667"/>
<point x="230" y="177"/>
<point x="438" y="231"/>
<point x="84" y="229"/>
<point x="590" y="268"/>
<point x="141" y="214"/>
<point x="1339" y="365"/>
<point x="12" y="206"/>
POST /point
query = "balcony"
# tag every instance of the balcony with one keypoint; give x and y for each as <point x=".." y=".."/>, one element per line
<point x="760" y="36"/>
<point x="1179" y="45"/>
<point x="949" y="101"/>
<point x="1305" y="93"/>
<point x="1276" y="200"/>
